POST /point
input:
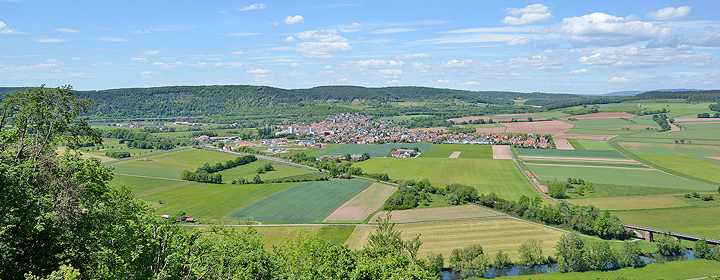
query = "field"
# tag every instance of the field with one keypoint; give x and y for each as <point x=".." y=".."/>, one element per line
<point x="686" y="150"/>
<point x="487" y="175"/>
<point x="703" y="169"/>
<point x="358" y="208"/>
<point x="606" y="190"/>
<point x="569" y="154"/>
<point x="309" y="202"/>
<point x="594" y="145"/>
<point x="141" y="186"/>
<point x="692" y="269"/>
<point x="248" y="171"/>
<point x="544" y="127"/>
<point x="605" y="126"/>
<point x="493" y="234"/>
<point x="437" y="214"/>
<point x="694" y="221"/>
<point x="374" y="150"/>
<point x="171" y="164"/>
<point x="634" y="202"/>
<point x="466" y="151"/>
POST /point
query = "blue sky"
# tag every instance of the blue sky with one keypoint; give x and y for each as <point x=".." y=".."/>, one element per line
<point x="548" y="46"/>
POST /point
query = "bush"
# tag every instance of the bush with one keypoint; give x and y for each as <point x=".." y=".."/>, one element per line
<point x="707" y="197"/>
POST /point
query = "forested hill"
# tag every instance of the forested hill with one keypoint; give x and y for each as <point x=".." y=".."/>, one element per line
<point x="691" y="95"/>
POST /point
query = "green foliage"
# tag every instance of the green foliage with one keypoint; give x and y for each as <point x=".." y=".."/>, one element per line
<point x="460" y="194"/>
<point x="208" y="173"/>
<point x="702" y="250"/>
<point x="629" y="255"/>
<point x="667" y="245"/>
<point x="501" y="260"/>
<point x="66" y="272"/>
<point x="118" y="154"/>
<point x="714" y="107"/>
<point x="410" y="197"/>
<point x="386" y="236"/>
<point x="531" y="252"/>
<point x="470" y="261"/>
<point x="556" y="189"/>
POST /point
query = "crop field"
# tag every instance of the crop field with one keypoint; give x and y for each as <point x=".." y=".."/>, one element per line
<point x="493" y="234"/>
<point x="634" y="202"/>
<point x="692" y="269"/>
<point x="574" y="143"/>
<point x="487" y="175"/>
<point x="606" y="190"/>
<point x="677" y="108"/>
<point x="593" y="145"/>
<point x="703" y="169"/>
<point x="569" y="153"/>
<point x="437" y="214"/>
<point x="248" y="171"/>
<point x="141" y="186"/>
<point x="466" y="151"/>
<point x="210" y="201"/>
<point x="604" y="126"/>
<point x="171" y="164"/>
<point x="684" y="150"/>
<point x="362" y="205"/>
<point x="309" y="202"/>
<point x="694" y="221"/>
<point x="374" y="150"/>
<point x="544" y="127"/>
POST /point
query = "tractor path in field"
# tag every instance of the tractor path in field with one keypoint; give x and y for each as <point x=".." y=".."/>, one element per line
<point x="455" y="154"/>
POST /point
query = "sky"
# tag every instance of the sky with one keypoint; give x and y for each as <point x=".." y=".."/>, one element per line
<point x="583" y="47"/>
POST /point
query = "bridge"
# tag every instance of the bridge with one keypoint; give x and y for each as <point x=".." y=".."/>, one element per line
<point x="648" y="234"/>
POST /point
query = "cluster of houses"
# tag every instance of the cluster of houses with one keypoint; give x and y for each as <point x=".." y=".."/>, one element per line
<point x="521" y="140"/>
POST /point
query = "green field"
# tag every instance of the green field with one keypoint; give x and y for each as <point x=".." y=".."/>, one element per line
<point x="248" y="171"/>
<point x="375" y="151"/>
<point x="594" y="145"/>
<point x="403" y="118"/>
<point x="210" y="201"/>
<point x="487" y="175"/>
<point x="635" y="202"/>
<point x="308" y="202"/>
<point x="575" y="144"/>
<point x="696" y="269"/>
<point x="672" y="149"/>
<point x="703" y="169"/>
<point x="569" y="153"/>
<point x="605" y="126"/>
<point x="617" y="176"/>
<point x="694" y="221"/>
<point x="143" y="186"/>
<point x="276" y="235"/>
<point x="466" y="151"/>
<point x="171" y="164"/>
<point x="606" y="190"/>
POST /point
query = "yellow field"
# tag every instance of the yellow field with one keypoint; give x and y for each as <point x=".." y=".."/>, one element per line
<point x="438" y="214"/>
<point x="361" y="205"/>
<point x="633" y="202"/>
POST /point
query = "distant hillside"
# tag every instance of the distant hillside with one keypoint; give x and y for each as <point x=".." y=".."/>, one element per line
<point x="621" y="93"/>
<point x="690" y="95"/>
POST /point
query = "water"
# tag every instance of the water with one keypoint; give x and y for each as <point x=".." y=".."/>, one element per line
<point x="552" y="268"/>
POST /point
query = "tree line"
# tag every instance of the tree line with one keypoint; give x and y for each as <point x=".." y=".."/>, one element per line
<point x="208" y="173"/>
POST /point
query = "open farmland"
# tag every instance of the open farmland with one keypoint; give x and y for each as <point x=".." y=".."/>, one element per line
<point x="634" y="202"/>
<point x="694" y="221"/>
<point x="374" y="150"/>
<point x="606" y="127"/>
<point x="309" y="202"/>
<point x="170" y="164"/>
<point x="703" y="169"/>
<point x="601" y="116"/>
<point x="487" y="175"/>
<point x="438" y="214"/>
<point x="493" y="234"/>
<point x="141" y="186"/>
<point x="594" y="145"/>
<point x="544" y="127"/>
<point x="569" y="154"/>
<point x="248" y="171"/>
<point x="358" y="208"/>
<point x="466" y="151"/>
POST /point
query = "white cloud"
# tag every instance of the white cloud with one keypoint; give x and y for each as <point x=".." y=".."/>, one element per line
<point x="579" y="72"/>
<point x="111" y="39"/>
<point x="607" y="30"/>
<point x="141" y="32"/>
<point x="320" y="49"/>
<point x="530" y="14"/>
<point x="376" y="63"/>
<point x="443" y="81"/>
<point x="457" y="63"/>
<point x="356" y="26"/>
<point x="619" y="80"/>
<point x="290" y="39"/>
<point x="138" y="59"/>
<point x="711" y="38"/>
<point x="4" y="29"/>
<point x="67" y="30"/>
<point x="294" y="19"/>
<point x="258" y="71"/>
<point x="412" y="56"/>
<point x="50" y="63"/>
<point x="537" y="62"/>
<point x="151" y="52"/>
<point x="243" y="34"/>
<point x="519" y="42"/>
<point x="669" y="13"/>
<point x="224" y="12"/>
<point x="238" y="52"/>
<point x="279" y="49"/>
<point x="230" y="64"/>
<point x="391" y="73"/>
<point x="327" y="67"/>
<point x="49" y="40"/>
<point x="295" y="64"/>
<point x="148" y="74"/>
<point x="320" y="35"/>
<point x="256" y="6"/>
<point x="273" y="23"/>
<point x="639" y="57"/>
<point x="164" y="65"/>
<point x="392" y="82"/>
<point x="469" y="83"/>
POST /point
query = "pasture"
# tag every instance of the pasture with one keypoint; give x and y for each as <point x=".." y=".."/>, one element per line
<point x="358" y="208"/>
<point x="248" y="171"/>
<point x="634" y="202"/>
<point x="594" y="145"/>
<point x="309" y="202"/>
<point x="607" y="190"/>
<point x="466" y="151"/>
<point x="493" y="234"/>
<point x="170" y="164"/>
<point x="610" y="126"/>
<point x="141" y="186"/>
<point x="437" y="214"/>
<point x="617" y="176"/>
<point x="373" y="150"/>
<point x="486" y="175"/>
<point x="684" y="150"/>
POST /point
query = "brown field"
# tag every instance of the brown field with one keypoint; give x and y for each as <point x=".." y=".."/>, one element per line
<point x="455" y="154"/>
<point x="520" y="100"/>
<point x="501" y="152"/>
<point x="563" y="144"/>
<point x="362" y="205"/>
<point x="467" y="119"/>
<point x="437" y="214"/>
<point x="546" y="127"/>
<point x="695" y="123"/>
<point x="675" y="128"/>
<point x="602" y="116"/>
<point x="430" y="129"/>
<point x="408" y="104"/>
<point x="585" y="136"/>
<point x="715" y="158"/>
<point x="516" y="115"/>
<point x="499" y="129"/>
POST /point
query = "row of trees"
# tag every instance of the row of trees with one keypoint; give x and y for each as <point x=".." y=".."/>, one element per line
<point x="662" y="121"/>
<point x="707" y="115"/>
<point x="118" y="154"/>
<point x="208" y="173"/>
<point x="575" y="255"/>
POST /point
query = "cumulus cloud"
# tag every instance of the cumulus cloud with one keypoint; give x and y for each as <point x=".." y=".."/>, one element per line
<point x="320" y="49"/>
<point x="151" y="52"/>
<point x="711" y="38"/>
<point x="519" y="42"/>
<point x="669" y="13"/>
<point x="294" y="19"/>
<point x="4" y="29"/>
<point x="456" y="63"/>
<point x="376" y="63"/>
<point x="639" y="57"/>
<point x="140" y="32"/>
<point x="138" y="59"/>
<point x="619" y="80"/>
<point x="579" y="72"/>
<point x="606" y="30"/>
<point x="290" y="39"/>
<point x="320" y="35"/>
<point x="67" y="30"/>
<point x="164" y="65"/>
<point x="256" y="6"/>
<point x="531" y="14"/>
<point x="442" y="81"/>
<point x="258" y="71"/>
<point x="412" y="56"/>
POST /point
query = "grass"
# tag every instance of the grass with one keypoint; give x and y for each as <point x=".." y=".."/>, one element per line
<point x="309" y="202"/>
<point x="671" y="270"/>
<point x="276" y="236"/>
<point x="703" y="169"/>
<point x="635" y="177"/>
<point x="358" y="208"/>
<point x="437" y="214"/>
<point x="608" y="190"/>
<point x="493" y="234"/>
<point x="211" y="201"/>
<point x="568" y="153"/>
<point x="170" y="165"/>
<point x="141" y="186"/>
<point x="487" y="175"/>
<point x="248" y="171"/>
<point x="694" y="221"/>
<point x="634" y="202"/>
<point x="372" y="149"/>
<point x="604" y="126"/>
<point x="594" y="145"/>
<point x="466" y="151"/>
<point x="336" y="234"/>
<point x="672" y="149"/>
<point x="575" y="144"/>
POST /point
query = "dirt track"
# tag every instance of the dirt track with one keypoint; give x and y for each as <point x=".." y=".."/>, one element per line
<point x="455" y="154"/>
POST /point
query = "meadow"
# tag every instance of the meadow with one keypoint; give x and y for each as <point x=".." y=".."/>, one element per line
<point x="309" y="202"/>
<point x="694" y="221"/>
<point x="604" y="126"/>
<point x="437" y="214"/>
<point x="374" y="151"/>
<point x="277" y="235"/>
<point x="493" y="234"/>
<point x="466" y="151"/>
<point x="170" y="164"/>
<point x="143" y="186"/>
<point x="634" y="202"/>
<point x="594" y="145"/>
<point x="486" y="175"/>
<point x="248" y="171"/>
<point x="703" y="169"/>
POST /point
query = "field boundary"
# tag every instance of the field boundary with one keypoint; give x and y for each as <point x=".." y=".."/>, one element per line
<point x="537" y="188"/>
